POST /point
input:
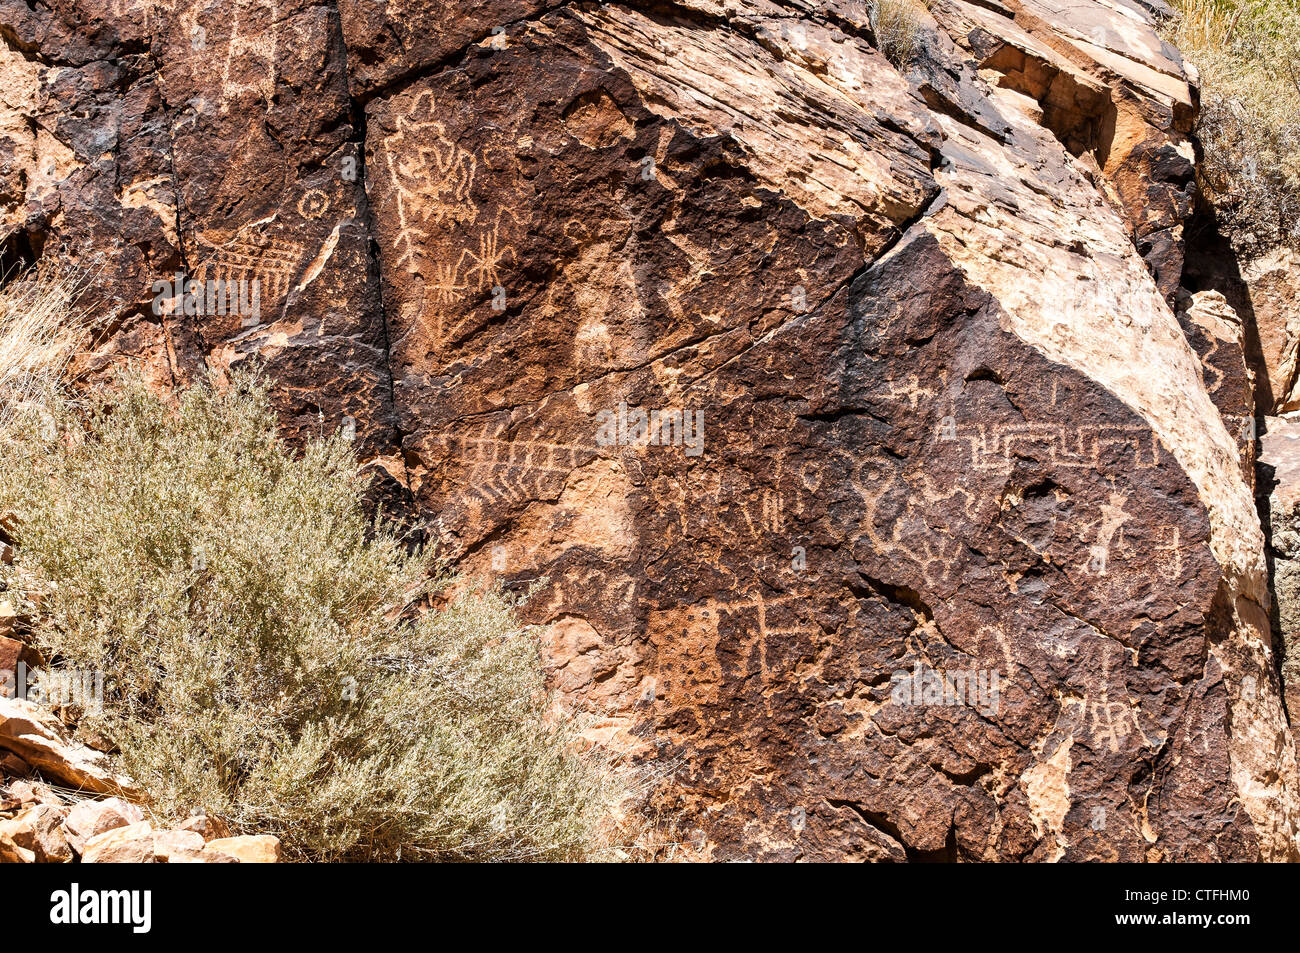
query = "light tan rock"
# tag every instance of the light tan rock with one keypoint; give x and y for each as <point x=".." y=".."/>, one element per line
<point x="37" y="736"/>
<point x="177" y="847"/>
<point x="133" y="844"/>
<point x="9" y="617"/>
<point x="247" y="849"/>
<point x="39" y="829"/>
<point x="89" y="819"/>
<point x="11" y="853"/>
<point x="206" y="826"/>
<point x="30" y="792"/>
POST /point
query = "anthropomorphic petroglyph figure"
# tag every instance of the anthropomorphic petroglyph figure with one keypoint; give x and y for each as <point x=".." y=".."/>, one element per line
<point x="431" y="177"/>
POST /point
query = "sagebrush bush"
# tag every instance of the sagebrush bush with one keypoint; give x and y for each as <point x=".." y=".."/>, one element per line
<point x="1248" y="55"/>
<point x="268" y="649"/>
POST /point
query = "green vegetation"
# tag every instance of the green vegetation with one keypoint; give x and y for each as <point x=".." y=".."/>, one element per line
<point x="270" y="652"/>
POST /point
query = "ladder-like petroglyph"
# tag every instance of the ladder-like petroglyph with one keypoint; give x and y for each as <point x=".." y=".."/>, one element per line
<point x="499" y="469"/>
<point x="272" y="262"/>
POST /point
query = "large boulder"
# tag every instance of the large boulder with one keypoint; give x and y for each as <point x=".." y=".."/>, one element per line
<point x="943" y="543"/>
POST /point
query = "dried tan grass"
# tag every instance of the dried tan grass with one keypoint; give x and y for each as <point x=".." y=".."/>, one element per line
<point x="1248" y="55"/>
<point x="40" y="328"/>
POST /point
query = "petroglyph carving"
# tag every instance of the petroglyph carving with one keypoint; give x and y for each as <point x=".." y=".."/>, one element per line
<point x="1064" y="445"/>
<point x="1109" y="525"/>
<point x="896" y="524"/>
<point x="1104" y="722"/>
<point x="272" y="262"/>
<point x="313" y="204"/>
<point x="252" y="51"/>
<point x="910" y="390"/>
<point x="432" y="177"/>
<point x="487" y="261"/>
<point x="447" y="283"/>
<point x="121" y="8"/>
<point x="497" y="468"/>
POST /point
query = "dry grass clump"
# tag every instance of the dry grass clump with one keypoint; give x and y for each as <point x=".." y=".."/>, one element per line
<point x="269" y="651"/>
<point x="39" y="330"/>
<point x="897" y="26"/>
<point x="1248" y="55"/>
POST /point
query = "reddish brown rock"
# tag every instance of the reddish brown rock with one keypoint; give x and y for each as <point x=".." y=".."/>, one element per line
<point x="11" y="653"/>
<point x="13" y="766"/>
<point x="206" y="826"/>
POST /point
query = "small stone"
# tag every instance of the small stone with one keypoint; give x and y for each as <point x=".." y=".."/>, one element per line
<point x="12" y="651"/>
<point x="177" y="847"/>
<point x="29" y="792"/>
<point x="9" y="618"/>
<point x="205" y="825"/>
<point x="248" y="849"/>
<point x="89" y="819"/>
<point x="133" y="844"/>
<point x="11" y="853"/>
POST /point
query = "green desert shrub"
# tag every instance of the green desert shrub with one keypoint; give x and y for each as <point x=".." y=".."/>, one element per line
<point x="269" y="651"/>
<point x="1248" y="55"/>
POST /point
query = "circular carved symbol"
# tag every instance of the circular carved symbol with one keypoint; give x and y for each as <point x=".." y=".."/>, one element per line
<point x="314" y="204"/>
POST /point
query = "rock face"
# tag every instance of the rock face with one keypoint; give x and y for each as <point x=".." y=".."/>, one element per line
<point x="942" y="545"/>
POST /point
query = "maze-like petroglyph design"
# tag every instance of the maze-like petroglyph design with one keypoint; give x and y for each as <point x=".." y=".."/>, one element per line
<point x="696" y="644"/>
<point x="1063" y="445"/>
<point x="766" y="618"/>
<point x="431" y="177"/>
